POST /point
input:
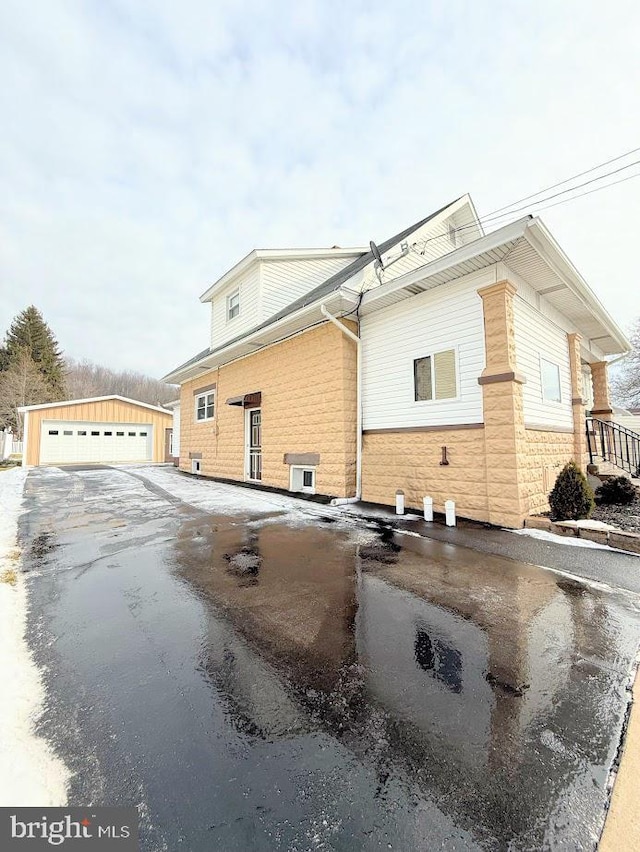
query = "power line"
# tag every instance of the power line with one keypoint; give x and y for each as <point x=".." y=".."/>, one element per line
<point x="492" y="219"/>
<point x="567" y="180"/>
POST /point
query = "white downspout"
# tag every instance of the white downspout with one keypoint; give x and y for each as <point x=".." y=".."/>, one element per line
<point x="338" y="501"/>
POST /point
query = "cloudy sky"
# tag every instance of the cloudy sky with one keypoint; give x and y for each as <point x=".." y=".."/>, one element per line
<point x="148" y="146"/>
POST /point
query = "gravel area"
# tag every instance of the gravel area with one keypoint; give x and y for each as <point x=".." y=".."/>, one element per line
<point x="625" y="517"/>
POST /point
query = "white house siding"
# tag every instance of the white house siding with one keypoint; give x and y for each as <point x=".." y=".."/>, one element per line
<point x="447" y="317"/>
<point x="536" y="337"/>
<point x="223" y="330"/>
<point x="175" y="445"/>
<point x="284" y="281"/>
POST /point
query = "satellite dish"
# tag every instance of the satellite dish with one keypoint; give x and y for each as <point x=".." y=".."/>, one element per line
<point x="375" y="251"/>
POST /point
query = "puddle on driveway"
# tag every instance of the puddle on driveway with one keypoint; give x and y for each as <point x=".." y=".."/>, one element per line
<point x="262" y="686"/>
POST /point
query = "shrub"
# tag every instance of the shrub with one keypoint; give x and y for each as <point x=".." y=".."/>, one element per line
<point x="571" y="497"/>
<point x="618" y="491"/>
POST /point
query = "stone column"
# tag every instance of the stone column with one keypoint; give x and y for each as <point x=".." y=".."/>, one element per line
<point x="601" y="402"/>
<point x="505" y="438"/>
<point x="577" y="401"/>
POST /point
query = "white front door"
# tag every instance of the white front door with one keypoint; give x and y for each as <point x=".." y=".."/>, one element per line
<point x="253" y="444"/>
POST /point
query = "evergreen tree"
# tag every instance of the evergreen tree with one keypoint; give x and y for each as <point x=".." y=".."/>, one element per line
<point x="30" y="332"/>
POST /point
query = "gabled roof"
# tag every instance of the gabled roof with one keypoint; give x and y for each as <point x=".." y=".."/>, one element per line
<point x="24" y="408"/>
<point x="323" y="290"/>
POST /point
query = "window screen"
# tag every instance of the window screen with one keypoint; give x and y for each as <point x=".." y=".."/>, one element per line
<point x="422" y="376"/>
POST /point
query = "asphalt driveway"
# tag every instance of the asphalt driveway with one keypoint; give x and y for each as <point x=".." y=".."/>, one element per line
<point x="255" y="676"/>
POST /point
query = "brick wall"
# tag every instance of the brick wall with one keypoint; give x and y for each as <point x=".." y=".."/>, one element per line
<point x="308" y="386"/>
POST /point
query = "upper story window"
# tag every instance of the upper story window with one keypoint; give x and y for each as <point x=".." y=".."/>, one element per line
<point x="233" y="304"/>
<point x="550" y="379"/>
<point x="205" y="406"/>
<point x="435" y="376"/>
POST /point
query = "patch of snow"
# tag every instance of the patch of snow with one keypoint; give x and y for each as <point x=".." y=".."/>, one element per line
<point x="30" y="773"/>
<point x="588" y="524"/>
<point x="543" y="535"/>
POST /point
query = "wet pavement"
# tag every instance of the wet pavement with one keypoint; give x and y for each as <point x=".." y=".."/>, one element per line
<point x="268" y="680"/>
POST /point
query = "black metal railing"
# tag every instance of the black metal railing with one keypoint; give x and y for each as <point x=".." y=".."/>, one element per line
<point x="615" y="444"/>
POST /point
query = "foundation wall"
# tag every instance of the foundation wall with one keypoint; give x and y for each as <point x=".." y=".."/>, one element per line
<point x="546" y="454"/>
<point x="308" y="403"/>
<point x="411" y="461"/>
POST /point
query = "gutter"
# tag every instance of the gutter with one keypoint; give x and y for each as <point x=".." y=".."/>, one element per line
<point x="339" y="501"/>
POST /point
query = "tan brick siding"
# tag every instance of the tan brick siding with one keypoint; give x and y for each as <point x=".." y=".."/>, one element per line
<point x="546" y="453"/>
<point x="411" y="461"/>
<point x="308" y="386"/>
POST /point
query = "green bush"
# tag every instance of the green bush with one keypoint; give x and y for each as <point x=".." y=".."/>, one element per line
<point x="618" y="491"/>
<point x="571" y="497"/>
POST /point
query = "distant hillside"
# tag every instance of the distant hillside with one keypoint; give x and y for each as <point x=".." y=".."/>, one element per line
<point x="84" y="379"/>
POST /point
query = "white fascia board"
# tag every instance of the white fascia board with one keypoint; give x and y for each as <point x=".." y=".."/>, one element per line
<point x="540" y="238"/>
<point x="278" y="254"/>
<point x="229" y="353"/>
<point x="43" y="405"/>
<point x="492" y="241"/>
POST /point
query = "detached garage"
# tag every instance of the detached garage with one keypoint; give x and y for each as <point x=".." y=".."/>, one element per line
<point x="102" y="430"/>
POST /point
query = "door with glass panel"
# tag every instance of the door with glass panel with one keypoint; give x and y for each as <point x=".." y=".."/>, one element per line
<point x="254" y="444"/>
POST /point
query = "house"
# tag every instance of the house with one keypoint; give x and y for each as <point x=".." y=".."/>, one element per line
<point x="443" y="362"/>
<point x="105" y="429"/>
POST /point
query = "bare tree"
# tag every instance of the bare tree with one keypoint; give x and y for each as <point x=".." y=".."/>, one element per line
<point x="85" y="379"/>
<point x="625" y="387"/>
<point x="22" y="383"/>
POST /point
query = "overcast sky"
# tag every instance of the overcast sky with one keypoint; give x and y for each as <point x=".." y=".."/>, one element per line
<point x="147" y="146"/>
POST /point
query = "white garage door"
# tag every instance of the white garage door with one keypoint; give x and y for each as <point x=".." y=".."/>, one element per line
<point x="68" y="442"/>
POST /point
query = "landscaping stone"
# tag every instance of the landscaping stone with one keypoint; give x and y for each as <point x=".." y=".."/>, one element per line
<point x="625" y="541"/>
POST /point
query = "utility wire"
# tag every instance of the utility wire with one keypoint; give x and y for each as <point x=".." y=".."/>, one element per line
<point x="494" y="218"/>
<point x="567" y="180"/>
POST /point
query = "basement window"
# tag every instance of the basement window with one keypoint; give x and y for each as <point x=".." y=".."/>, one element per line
<point x="196" y="466"/>
<point x="434" y="376"/>
<point x="550" y="380"/>
<point x="303" y="479"/>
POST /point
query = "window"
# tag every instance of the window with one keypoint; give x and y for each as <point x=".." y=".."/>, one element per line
<point x="205" y="406"/>
<point x="53" y="431"/>
<point x="435" y="376"/>
<point x="196" y="466"/>
<point x="95" y="433"/>
<point x="119" y="434"/>
<point x="67" y="432"/>
<point x="233" y="305"/>
<point x="131" y="434"/>
<point x="108" y="434"/>
<point x="82" y="433"/>
<point x="550" y="378"/>
<point x="143" y="434"/>
<point x="303" y="479"/>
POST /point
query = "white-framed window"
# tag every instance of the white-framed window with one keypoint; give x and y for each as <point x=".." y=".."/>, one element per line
<point x="205" y="406"/>
<point x="550" y="381"/>
<point x="233" y="305"/>
<point x="435" y="376"/>
<point x="303" y="479"/>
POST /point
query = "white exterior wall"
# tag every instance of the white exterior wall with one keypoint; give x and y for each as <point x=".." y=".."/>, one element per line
<point x="284" y="281"/>
<point x="175" y="439"/>
<point x="222" y="329"/>
<point x="447" y="317"/>
<point x="537" y="337"/>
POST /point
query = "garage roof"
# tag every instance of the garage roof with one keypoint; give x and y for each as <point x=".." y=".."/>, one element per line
<point x="93" y="399"/>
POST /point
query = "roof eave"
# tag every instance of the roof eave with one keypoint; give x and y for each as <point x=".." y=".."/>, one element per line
<point x="62" y="403"/>
<point x="541" y="239"/>
<point x="213" y="359"/>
